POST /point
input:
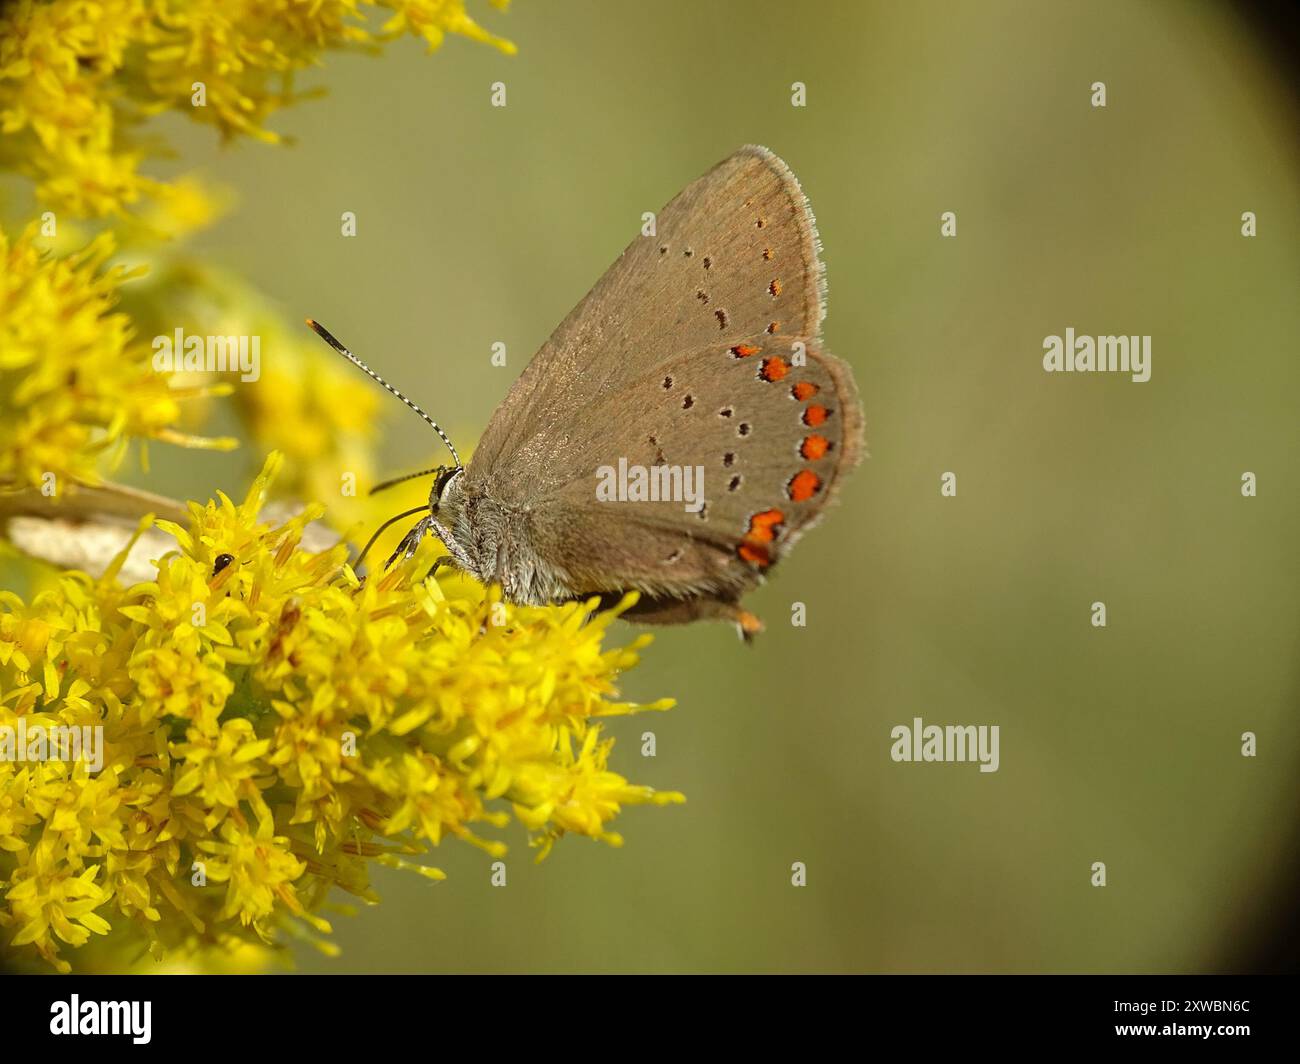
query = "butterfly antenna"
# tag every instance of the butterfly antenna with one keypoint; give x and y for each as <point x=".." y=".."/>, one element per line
<point x="325" y="335"/>
<point x="385" y="485"/>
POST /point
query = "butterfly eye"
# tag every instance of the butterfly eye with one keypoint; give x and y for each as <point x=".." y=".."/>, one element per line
<point x="445" y="476"/>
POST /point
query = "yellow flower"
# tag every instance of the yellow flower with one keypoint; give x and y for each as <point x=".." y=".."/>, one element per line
<point x="77" y="77"/>
<point x="216" y="766"/>
<point x="74" y="382"/>
<point x="56" y="111"/>
<point x="434" y="19"/>
<point x="272" y="725"/>
<point x="46" y="900"/>
<point x="259" y="871"/>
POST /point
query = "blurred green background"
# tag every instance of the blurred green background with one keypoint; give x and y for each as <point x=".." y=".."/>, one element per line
<point x="1119" y="745"/>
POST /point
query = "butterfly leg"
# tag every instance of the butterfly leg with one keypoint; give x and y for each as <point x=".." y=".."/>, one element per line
<point x="458" y="555"/>
<point x="410" y="541"/>
<point x="445" y="560"/>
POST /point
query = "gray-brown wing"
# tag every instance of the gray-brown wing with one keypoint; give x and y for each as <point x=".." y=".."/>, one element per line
<point x="734" y="255"/>
<point x="770" y="426"/>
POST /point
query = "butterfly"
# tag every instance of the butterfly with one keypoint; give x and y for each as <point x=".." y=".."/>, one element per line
<point x="699" y="350"/>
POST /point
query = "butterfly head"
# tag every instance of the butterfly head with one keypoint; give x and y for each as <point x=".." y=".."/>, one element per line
<point x="443" y="489"/>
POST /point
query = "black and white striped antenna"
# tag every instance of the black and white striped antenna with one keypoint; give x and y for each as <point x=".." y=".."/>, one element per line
<point x="325" y="335"/>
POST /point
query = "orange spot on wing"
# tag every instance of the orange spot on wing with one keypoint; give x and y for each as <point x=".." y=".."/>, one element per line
<point x="744" y="350"/>
<point x="804" y="485"/>
<point x="775" y="286"/>
<point x="814" y="447"/>
<point x="804" y="390"/>
<point x="763" y="527"/>
<point x="774" y="369"/>
<point x="815" y="415"/>
<point x="767" y="254"/>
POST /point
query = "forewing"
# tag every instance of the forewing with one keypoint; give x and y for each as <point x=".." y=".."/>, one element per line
<point x="734" y="255"/>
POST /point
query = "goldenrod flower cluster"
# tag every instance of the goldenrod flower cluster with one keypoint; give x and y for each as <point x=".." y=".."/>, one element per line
<point x="271" y="725"/>
<point x="79" y="77"/>
<point x="77" y="383"/>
